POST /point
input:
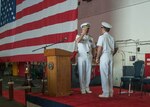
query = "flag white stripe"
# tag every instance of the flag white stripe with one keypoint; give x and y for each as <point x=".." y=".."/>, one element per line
<point x="63" y="7"/>
<point x="48" y="30"/>
<point x="28" y="50"/>
<point x="26" y="4"/>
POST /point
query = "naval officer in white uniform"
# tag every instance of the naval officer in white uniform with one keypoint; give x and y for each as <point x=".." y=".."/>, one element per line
<point x="104" y="57"/>
<point x="85" y="47"/>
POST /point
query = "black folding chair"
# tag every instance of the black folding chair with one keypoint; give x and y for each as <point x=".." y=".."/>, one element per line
<point x="138" y="76"/>
<point x="133" y="79"/>
<point x="126" y="79"/>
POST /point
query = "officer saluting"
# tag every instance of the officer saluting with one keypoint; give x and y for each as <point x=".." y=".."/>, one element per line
<point x="85" y="47"/>
<point x="104" y="56"/>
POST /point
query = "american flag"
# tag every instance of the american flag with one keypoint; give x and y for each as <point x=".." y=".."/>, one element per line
<point x="26" y="25"/>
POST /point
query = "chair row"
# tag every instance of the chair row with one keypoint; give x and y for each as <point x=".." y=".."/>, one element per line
<point x="135" y="77"/>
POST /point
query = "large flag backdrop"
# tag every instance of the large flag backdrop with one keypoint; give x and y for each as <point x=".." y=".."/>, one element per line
<point x="26" y="25"/>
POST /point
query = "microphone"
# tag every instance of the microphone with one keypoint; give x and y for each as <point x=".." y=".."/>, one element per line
<point x="65" y="38"/>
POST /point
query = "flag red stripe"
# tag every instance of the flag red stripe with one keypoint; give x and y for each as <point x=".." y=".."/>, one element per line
<point x="59" y="18"/>
<point x="24" y="58"/>
<point x="47" y="39"/>
<point x="19" y="1"/>
<point x="37" y="7"/>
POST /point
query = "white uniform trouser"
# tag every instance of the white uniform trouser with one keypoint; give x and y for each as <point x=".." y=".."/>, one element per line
<point x="106" y="69"/>
<point x="84" y="67"/>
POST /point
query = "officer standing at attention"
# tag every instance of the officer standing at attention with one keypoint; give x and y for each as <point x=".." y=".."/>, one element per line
<point x="85" y="47"/>
<point x="104" y="57"/>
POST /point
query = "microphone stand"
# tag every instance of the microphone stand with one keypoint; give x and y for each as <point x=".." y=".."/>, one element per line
<point x="44" y="47"/>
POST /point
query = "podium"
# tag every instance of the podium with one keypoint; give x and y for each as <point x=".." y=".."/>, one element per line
<point x="58" y="72"/>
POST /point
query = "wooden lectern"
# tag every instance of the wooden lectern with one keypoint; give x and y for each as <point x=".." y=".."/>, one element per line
<point x="58" y="72"/>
